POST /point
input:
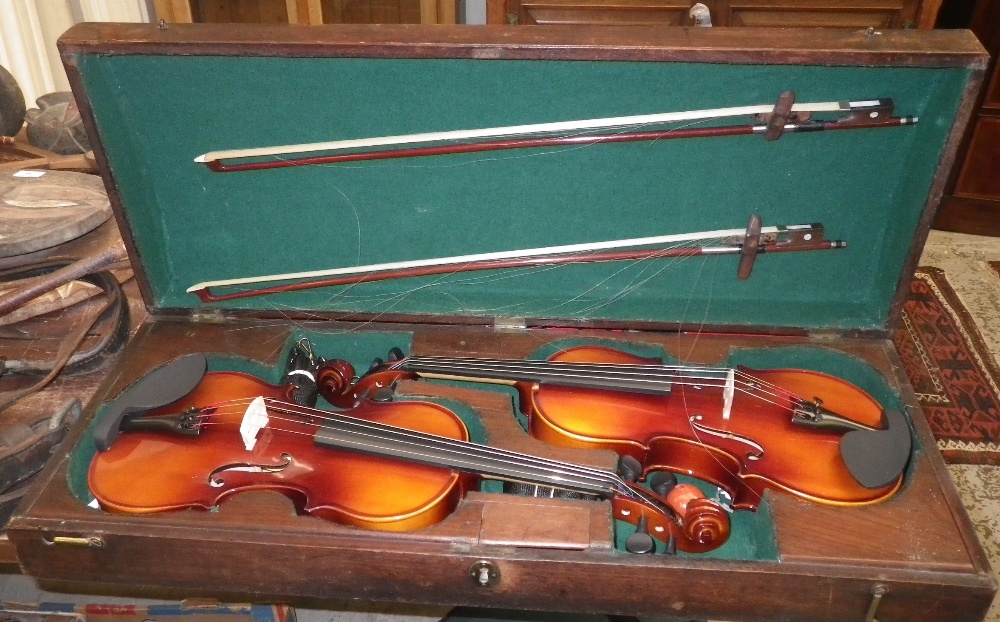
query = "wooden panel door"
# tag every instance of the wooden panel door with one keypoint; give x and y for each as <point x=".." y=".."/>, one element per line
<point x="854" y="14"/>
<point x="972" y="202"/>
<point x="577" y="12"/>
<point x="308" y="11"/>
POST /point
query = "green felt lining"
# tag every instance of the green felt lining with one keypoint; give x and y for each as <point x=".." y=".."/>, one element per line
<point x="868" y="187"/>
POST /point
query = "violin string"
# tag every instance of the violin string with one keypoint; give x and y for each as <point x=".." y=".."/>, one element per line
<point x="637" y="373"/>
<point x="744" y="387"/>
<point x="733" y="472"/>
<point x="640" y="279"/>
<point x="355" y="423"/>
<point x="645" y="264"/>
<point x="460" y="449"/>
<point x="636" y="369"/>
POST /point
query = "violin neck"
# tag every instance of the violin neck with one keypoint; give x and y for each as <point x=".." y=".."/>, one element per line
<point x="653" y="379"/>
<point x="348" y="433"/>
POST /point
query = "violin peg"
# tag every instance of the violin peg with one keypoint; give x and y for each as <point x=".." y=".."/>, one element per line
<point x="629" y="468"/>
<point x="671" y="545"/>
<point x="640" y="542"/>
<point x="662" y="482"/>
<point x="395" y="354"/>
<point x="376" y="363"/>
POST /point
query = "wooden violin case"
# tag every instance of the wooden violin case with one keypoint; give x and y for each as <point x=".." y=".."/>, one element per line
<point x="155" y="98"/>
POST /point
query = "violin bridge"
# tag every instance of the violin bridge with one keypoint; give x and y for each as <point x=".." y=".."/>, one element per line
<point x="727" y="394"/>
<point x="254" y="420"/>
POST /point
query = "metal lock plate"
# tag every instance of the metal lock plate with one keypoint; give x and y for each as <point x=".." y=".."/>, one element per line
<point x="484" y="573"/>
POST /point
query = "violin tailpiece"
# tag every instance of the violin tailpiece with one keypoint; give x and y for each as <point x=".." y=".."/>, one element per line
<point x="159" y="387"/>
<point x="877" y="458"/>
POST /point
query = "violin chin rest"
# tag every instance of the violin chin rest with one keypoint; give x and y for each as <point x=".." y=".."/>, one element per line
<point x="159" y="387"/>
<point x="876" y="459"/>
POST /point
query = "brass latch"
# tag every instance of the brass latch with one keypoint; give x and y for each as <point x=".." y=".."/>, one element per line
<point x="91" y="541"/>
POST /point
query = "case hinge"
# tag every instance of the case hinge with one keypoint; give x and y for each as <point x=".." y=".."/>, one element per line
<point x="208" y="317"/>
<point x="825" y="334"/>
<point x="509" y="323"/>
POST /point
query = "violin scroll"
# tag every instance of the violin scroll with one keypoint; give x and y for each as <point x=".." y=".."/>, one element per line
<point x="697" y="523"/>
<point x="335" y="381"/>
<point x="705" y="521"/>
<point x="340" y="385"/>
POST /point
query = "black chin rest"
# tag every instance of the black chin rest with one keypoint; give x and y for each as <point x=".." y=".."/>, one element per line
<point x="877" y="459"/>
<point x="159" y="387"/>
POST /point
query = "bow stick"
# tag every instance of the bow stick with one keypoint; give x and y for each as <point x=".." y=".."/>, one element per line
<point x="746" y="242"/>
<point x="857" y="115"/>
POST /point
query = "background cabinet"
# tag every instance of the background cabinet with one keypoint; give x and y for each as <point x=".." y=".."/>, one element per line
<point x="972" y="200"/>
<point x="308" y="11"/>
<point x="853" y="14"/>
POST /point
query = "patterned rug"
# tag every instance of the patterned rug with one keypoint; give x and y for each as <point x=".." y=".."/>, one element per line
<point x="951" y="369"/>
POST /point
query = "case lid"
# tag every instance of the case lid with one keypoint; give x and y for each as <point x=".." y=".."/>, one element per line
<point x="155" y="99"/>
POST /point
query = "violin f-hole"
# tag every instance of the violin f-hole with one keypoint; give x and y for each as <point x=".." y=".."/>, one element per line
<point x="247" y="467"/>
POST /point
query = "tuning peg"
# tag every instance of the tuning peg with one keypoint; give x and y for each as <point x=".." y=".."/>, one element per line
<point x="671" y="545"/>
<point x="395" y="354"/>
<point x="640" y="542"/>
<point x="629" y="469"/>
<point x="662" y="482"/>
<point x="376" y="363"/>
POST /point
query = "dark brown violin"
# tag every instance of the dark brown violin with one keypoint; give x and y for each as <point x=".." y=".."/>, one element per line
<point x="801" y="432"/>
<point x="182" y="439"/>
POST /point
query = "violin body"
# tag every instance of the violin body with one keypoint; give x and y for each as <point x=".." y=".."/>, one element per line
<point x="145" y="472"/>
<point x="684" y="430"/>
<point x="757" y="448"/>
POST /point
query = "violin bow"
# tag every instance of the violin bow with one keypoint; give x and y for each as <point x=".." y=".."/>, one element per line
<point x="747" y="242"/>
<point x="783" y="116"/>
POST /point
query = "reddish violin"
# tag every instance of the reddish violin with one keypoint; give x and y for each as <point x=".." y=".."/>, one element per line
<point x="802" y="432"/>
<point x="392" y="466"/>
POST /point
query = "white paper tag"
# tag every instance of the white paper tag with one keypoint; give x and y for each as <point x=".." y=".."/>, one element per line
<point x="29" y="173"/>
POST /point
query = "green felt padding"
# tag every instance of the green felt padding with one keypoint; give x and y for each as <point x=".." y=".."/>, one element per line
<point x="868" y="187"/>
